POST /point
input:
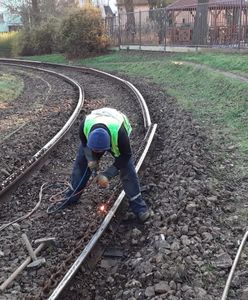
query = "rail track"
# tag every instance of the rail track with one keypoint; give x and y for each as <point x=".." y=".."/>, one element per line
<point x="90" y="232"/>
<point x="38" y="158"/>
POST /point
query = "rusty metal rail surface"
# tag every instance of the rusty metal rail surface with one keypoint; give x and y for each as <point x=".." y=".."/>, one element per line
<point x="55" y="285"/>
<point x="125" y="83"/>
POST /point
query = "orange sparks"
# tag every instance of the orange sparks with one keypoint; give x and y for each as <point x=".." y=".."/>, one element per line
<point x="103" y="208"/>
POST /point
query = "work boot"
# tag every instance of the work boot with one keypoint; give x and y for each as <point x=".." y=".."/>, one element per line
<point x="129" y="216"/>
<point x="143" y="216"/>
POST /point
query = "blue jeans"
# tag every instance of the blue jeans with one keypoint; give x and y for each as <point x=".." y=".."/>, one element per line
<point x="131" y="187"/>
<point x="80" y="176"/>
<point x="129" y="178"/>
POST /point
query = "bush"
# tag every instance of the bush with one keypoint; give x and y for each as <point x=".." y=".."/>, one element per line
<point x="38" y="40"/>
<point x="6" y="43"/>
<point x="44" y="37"/>
<point x="23" y="43"/>
<point x="82" y="32"/>
<point x="78" y="34"/>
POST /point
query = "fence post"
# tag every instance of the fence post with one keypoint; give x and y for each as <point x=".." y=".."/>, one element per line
<point x="140" y="30"/>
<point x="240" y="24"/>
<point x="165" y="29"/>
<point x="119" y="35"/>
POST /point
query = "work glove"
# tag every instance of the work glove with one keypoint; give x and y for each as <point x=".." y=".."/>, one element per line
<point x="94" y="166"/>
<point x="104" y="177"/>
<point x="88" y="154"/>
<point x="102" y="181"/>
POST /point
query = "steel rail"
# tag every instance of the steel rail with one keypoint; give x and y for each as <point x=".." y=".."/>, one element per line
<point x="230" y="276"/>
<point x="125" y="83"/>
<point x="151" y="129"/>
<point x="84" y="254"/>
<point x="38" y="157"/>
<point x="138" y="95"/>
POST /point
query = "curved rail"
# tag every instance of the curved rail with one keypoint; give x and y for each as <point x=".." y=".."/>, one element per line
<point x="230" y="276"/>
<point x="82" y="257"/>
<point x="15" y="178"/>
<point x="125" y="83"/>
<point x="139" y="97"/>
<point x="151" y="128"/>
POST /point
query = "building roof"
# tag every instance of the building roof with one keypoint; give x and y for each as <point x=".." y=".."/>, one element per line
<point x="192" y="4"/>
<point x="8" y="20"/>
<point x="13" y="19"/>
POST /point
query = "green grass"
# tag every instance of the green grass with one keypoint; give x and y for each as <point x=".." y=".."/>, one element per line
<point x="233" y="62"/>
<point x="51" y="58"/>
<point x="218" y="102"/>
<point x="10" y="87"/>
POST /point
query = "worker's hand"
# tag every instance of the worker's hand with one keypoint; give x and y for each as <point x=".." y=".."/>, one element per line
<point x="93" y="165"/>
<point x="104" y="177"/>
<point x="88" y="154"/>
<point x="102" y="181"/>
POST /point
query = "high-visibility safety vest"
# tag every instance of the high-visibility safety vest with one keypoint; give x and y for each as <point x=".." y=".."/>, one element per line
<point x="111" y="118"/>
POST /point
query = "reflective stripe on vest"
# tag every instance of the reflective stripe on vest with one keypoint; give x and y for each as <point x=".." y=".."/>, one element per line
<point x="112" y="119"/>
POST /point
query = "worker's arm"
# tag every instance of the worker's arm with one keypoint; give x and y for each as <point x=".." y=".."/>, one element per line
<point x="125" y="149"/>
<point x="120" y="162"/>
<point x="125" y="154"/>
<point x="92" y="158"/>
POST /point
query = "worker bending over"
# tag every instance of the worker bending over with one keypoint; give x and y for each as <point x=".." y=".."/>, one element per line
<point x="107" y="129"/>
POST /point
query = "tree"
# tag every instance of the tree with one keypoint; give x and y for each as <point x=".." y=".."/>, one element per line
<point x="201" y="23"/>
<point x="157" y="14"/>
<point x="154" y="4"/>
<point x="63" y="5"/>
<point x="48" y="9"/>
<point x="130" y="25"/>
<point x="35" y="13"/>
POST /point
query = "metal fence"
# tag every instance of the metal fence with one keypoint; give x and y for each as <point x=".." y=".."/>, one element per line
<point x="212" y="24"/>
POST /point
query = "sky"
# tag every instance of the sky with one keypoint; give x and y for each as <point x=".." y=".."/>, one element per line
<point x="112" y="4"/>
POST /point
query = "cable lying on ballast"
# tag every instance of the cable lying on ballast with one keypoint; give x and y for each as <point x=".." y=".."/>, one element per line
<point x="63" y="202"/>
<point x="28" y="214"/>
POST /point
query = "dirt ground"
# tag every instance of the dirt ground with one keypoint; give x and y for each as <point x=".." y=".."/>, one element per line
<point x="197" y="200"/>
<point x="66" y="226"/>
<point x="186" y="249"/>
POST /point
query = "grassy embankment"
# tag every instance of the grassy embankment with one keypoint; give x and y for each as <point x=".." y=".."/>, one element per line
<point x="10" y="87"/>
<point x="218" y="102"/>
